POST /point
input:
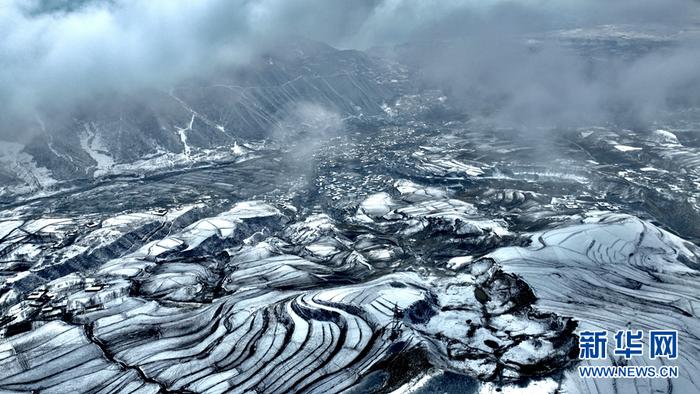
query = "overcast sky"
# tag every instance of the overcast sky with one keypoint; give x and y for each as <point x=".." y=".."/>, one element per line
<point x="65" y="50"/>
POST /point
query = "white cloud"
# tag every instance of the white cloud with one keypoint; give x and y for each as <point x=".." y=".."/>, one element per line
<point x="55" y="53"/>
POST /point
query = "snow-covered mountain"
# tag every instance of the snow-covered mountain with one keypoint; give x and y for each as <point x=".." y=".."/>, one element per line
<point x="201" y="119"/>
<point x="327" y="221"/>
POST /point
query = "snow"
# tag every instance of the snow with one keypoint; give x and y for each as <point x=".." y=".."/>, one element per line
<point x="627" y="148"/>
<point x="444" y="166"/>
<point x="18" y="276"/>
<point x="7" y="227"/>
<point x="47" y="225"/>
<point x="388" y="110"/>
<point x="380" y="254"/>
<point x="377" y="205"/>
<point x="126" y="219"/>
<point x="264" y="287"/>
<point x="456" y="263"/>
<point x="666" y="136"/>
<point x="541" y="386"/>
<point x="253" y="209"/>
<point x="413" y="192"/>
<point x="415" y="384"/>
<point x="169" y="243"/>
<point x="528" y="351"/>
<point x="182" y="132"/>
<point x="91" y="142"/>
<point x="620" y="272"/>
<point x="23" y="166"/>
<point x="321" y="249"/>
<point x="651" y="169"/>
<point x="237" y="149"/>
<point x="158" y="247"/>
